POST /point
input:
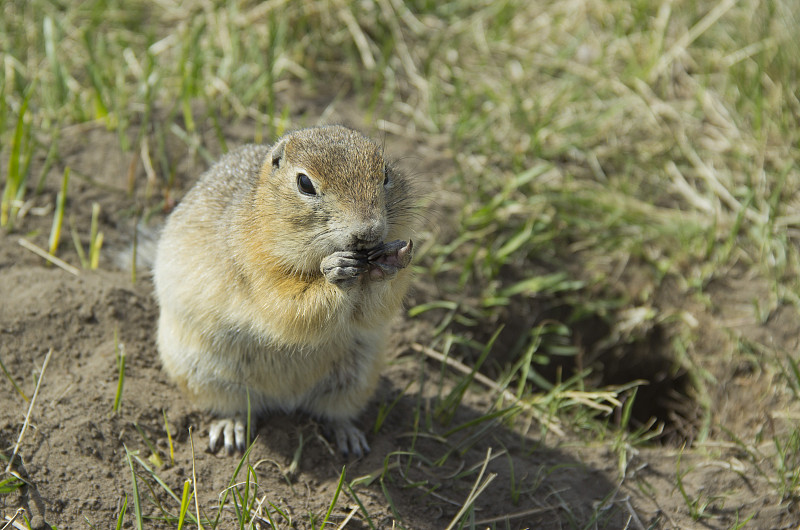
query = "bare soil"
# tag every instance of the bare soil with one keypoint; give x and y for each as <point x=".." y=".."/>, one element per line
<point x="73" y="454"/>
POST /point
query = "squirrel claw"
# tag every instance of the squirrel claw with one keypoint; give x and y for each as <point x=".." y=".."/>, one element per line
<point x="386" y="248"/>
<point x="349" y="439"/>
<point x="388" y="259"/>
<point x="233" y="435"/>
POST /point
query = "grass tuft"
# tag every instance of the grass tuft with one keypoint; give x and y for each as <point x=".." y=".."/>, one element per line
<point x="18" y="164"/>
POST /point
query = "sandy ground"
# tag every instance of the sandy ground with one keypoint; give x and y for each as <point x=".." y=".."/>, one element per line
<point x="73" y="454"/>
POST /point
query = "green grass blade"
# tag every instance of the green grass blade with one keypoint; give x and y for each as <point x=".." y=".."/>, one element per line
<point x="15" y="179"/>
<point x="155" y="457"/>
<point x="122" y="512"/>
<point x="185" y="500"/>
<point x="58" y="216"/>
<point x="76" y="241"/>
<point x="231" y="483"/>
<point x="446" y="409"/>
<point x="60" y="88"/>
<point x="10" y="484"/>
<point x="169" y="439"/>
<point x="50" y="159"/>
<point x="119" y="353"/>
<point x="247" y="427"/>
<point x="95" y="238"/>
<point x="510" y="411"/>
<point x="137" y="503"/>
<point x="360" y="506"/>
<point x="627" y="409"/>
<point x="335" y="497"/>
<point x="163" y="484"/>
<point x="384" y="410"/>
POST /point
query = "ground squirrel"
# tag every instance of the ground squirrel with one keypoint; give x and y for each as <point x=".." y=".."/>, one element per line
<point x="277" y="276"/>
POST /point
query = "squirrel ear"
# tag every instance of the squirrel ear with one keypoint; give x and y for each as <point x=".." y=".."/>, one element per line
<point x="276" y="155"/>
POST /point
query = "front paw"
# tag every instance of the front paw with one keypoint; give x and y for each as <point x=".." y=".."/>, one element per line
<point x="388" y="259"/>
<point x="343" y="268"/>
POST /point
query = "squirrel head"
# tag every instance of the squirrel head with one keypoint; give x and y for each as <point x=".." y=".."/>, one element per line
<point x="330" y="189"/>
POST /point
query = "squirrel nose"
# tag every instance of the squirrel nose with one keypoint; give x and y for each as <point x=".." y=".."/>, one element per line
<point x="368" y="235"/>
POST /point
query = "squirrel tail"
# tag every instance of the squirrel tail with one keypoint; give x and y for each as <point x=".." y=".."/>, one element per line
<point x="141" y="253"/>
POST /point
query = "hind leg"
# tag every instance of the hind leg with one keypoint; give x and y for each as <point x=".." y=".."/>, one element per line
<point x="341" y="396"/>
<point x="209" y="380"/>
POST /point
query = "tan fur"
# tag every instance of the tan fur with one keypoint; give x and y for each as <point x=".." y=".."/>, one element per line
<point x="244" y="304"/>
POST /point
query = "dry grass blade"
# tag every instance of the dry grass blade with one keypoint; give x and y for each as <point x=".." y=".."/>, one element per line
<point x="58" y="215"/>
<point x="551" y="423"/>
<point x="194" y="482"/>
<point x="95" y="238"/>
<point x="351" y="513"/>
<point x="358" y="36"/>
<point x="690" y="36"/>
<point x="477" y="489"/>
<point x="517" y="515"/>
<point x="12" y="521"/>
<point x="30" y="409"/>
<point x="52" y="259"/>
<point x="632" y="513"/>
<point x="588" y="160"/>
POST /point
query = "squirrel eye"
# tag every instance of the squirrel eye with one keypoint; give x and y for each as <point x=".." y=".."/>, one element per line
<point x="305" y="185"/>
<point x="385" y="176"/>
